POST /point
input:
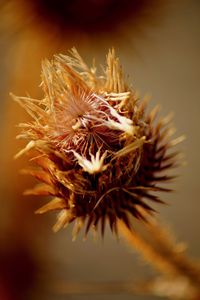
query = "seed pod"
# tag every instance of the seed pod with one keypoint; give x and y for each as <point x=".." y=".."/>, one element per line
<point x="98" y="153"/>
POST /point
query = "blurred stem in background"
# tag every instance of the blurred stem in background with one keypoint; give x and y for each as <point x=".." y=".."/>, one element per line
<point x="180" y="274"/>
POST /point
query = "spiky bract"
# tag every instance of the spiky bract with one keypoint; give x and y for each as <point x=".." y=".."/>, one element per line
<point x="99" y="154"/>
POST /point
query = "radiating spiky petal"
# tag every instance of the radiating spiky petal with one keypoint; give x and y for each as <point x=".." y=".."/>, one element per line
<point x="99" y="154"/>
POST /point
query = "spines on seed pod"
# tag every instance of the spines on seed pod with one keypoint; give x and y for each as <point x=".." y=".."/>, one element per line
<point x="99" y="154"/>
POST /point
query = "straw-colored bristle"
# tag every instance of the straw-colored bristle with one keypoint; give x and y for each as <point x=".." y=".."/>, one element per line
<point x="99" y="154"/>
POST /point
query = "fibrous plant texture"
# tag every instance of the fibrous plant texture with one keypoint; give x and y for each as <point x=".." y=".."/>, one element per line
<point x="97" y="151"/>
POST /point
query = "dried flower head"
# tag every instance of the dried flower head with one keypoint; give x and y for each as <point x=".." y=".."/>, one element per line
<point x="86" y="16"/>
<point x="98" y="153"/>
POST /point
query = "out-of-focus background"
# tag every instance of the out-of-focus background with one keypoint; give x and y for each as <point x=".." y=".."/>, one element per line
<point x="158" y="43"/>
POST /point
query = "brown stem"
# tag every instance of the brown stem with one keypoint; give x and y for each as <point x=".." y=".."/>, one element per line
<point x="163" y="253"/>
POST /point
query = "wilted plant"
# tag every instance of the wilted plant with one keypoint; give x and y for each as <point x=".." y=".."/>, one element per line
<point x="100" y="155"/>
<point x="103" y="158"/>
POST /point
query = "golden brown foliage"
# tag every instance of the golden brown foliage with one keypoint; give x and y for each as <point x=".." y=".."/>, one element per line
<point x="99" y="154"/>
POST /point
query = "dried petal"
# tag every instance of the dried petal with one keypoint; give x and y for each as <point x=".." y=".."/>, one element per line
<point x="99" y="154"/>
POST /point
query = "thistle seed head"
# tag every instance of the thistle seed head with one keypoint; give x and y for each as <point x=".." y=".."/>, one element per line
<point x="98" y="153"/>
